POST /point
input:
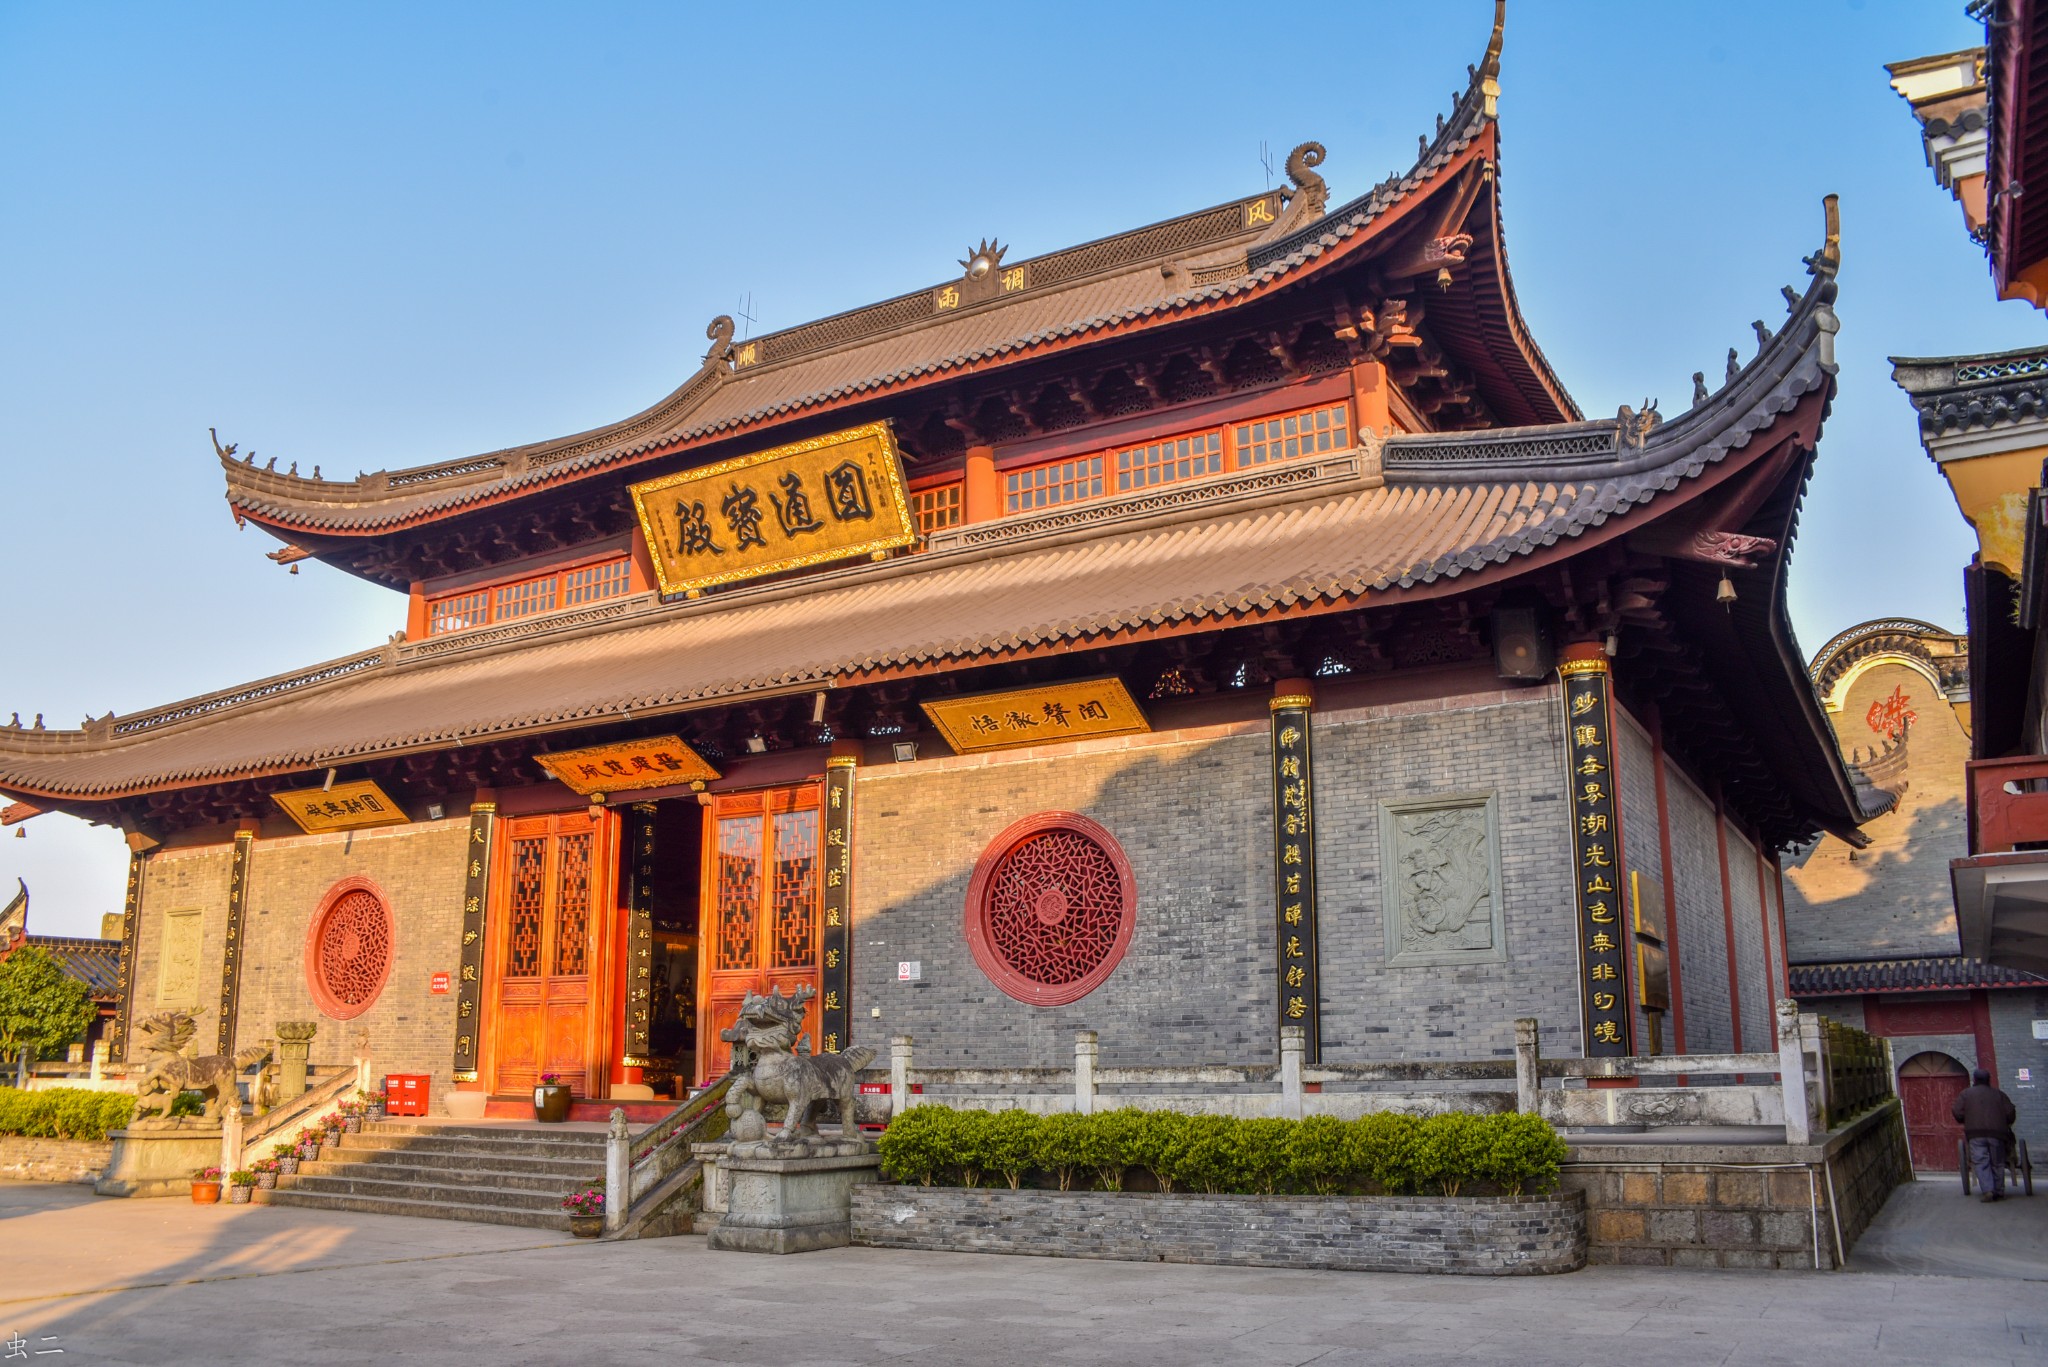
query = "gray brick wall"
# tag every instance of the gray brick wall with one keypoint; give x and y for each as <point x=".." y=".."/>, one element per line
<point x="1194" y="818"/>
<point x="1641" y="846"/>
<point x="417" y="867"/>
<point x="1757" y="991"/>
<point x="2012" y="1036"/>
<point x="1698" y="924"/>
<point x="175" y="881"/>
<point x="419" y="870"/>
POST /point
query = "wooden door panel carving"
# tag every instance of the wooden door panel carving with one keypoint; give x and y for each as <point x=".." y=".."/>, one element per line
<point x="761" y="901"/>
<point x="550" y="980"/>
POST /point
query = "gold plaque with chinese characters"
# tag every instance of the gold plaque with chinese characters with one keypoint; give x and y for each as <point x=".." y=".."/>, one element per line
<point x="1037" y="716"/>
<point x="655" y="762"/>
<point x="809" y="503"/>
<point x="344" y="807"/>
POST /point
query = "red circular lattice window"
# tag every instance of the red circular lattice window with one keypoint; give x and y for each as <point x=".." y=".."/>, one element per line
<point x="348" y="948"/>
<point x="1051" y="908"/>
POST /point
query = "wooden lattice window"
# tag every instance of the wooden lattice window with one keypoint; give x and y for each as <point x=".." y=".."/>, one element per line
<point x="1164" y="462"/>
<point x="572" y="907"/>
<point x="529" y="895"/>
<point x="349" y="948"/>
<point x="938" y="507"/>
<point x="1043" y="486"/>
<point x="1290" y="435"/>
<point x="1051" y="908"/>
<point x="796" y="889"/>
<point x="533" y="594"/>
<point x="458" y="613"/>
<point x="739" y="889"/>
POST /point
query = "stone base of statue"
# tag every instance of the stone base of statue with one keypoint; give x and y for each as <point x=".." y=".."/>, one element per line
<point x="158" y="1162"/>
<point x="793" y="1197"/>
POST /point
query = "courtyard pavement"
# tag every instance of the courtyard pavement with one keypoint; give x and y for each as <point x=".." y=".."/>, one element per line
<point x="121" y="1282"/>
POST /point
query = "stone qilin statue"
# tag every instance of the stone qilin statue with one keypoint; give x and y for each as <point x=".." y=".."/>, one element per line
<point x="169" y="1069"/>
<point x="774" y="1064"/>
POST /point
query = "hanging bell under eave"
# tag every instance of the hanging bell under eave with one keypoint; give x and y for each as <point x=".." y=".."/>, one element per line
<point x="1724" y="592"/>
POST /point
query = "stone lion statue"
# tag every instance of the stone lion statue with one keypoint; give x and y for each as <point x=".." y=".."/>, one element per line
<point x="771" y="1067"/>
<point x="169" y="1069"/>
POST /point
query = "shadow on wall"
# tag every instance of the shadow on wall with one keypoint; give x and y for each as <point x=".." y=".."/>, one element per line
<point x="1890" y="899"/>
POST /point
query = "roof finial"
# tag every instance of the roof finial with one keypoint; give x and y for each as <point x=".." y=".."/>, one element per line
<point x="1489" y="66"/>
<point x="1828" y="259"/>
<point x="1301" y="164"/>
<point x="719" y="333"/>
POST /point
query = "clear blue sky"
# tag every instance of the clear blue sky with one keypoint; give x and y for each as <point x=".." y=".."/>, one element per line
<point x="371" y="235"/>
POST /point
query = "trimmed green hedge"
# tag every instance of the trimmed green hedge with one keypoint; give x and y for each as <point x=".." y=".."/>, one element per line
<point x="1375" y="1154"/>
<point x="64" y="1113"/>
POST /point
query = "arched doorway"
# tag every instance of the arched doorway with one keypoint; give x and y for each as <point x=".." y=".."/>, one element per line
<point x="1929" y="1084"/>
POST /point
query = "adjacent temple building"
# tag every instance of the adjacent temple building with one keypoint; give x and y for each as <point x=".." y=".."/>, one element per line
<point x="1226" y="625"/>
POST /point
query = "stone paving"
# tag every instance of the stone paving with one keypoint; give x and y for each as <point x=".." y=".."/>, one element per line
<point x="133" y="1282"/>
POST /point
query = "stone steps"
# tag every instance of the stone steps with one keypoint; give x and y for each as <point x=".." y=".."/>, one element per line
<point x="489" y="1174"/>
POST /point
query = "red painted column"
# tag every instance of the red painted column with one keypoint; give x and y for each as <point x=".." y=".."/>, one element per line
<point x="981" y="496"/>
<point x="1784" y="936"/>
<point x="1728" y="919"/>
<point x="1656" y="719"/>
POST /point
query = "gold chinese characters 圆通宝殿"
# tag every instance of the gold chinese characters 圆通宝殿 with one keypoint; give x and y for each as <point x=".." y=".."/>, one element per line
<point x="342" y="807"/>
<point x="829" y="498"/>
<point x="1037" y="716"/>
<point x="627" y="765"/>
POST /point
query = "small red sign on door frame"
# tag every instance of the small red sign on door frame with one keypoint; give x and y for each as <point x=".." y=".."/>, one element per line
<point x="438" y="984"/>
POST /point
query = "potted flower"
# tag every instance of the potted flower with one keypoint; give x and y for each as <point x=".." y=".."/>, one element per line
<point x="374" y="1105"/>
<point x="586" y="1210"/>
<point x="331" y="1124"/>
<point x="266" y="1173"/>
<point x="352" y="1117"/>
<point x="551" y="1099"/>
<point x="206" y="1187"/>
<point x="286" y="1156"/>
<point x="309" y="1140"/>
<point x="241" y="1183"/>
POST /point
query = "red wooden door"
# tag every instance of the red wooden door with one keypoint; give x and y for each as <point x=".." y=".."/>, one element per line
<point x="549" y="981"/>
<point x="1928" y="1086"/>
<point x="761" y="900"/>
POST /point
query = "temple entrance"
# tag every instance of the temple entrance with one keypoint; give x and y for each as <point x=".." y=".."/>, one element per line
<point x="550" y="1001"/>
<point x="1928" y="1086"/>
<point x="761" y="899"/>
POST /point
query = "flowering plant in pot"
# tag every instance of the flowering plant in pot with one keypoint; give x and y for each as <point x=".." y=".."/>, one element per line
<point x="286" y="1156"/>
<point x="352" y="1117"/>
<point x="551" y="1099"/>
<point x="374" y="1105"/>
<point x="309" y="1140"/>
<point x="241" y="1182"/>
<point x="586" y="1210"/>
<point x="205" y="1186"/>
<point x="266" y="1173"/>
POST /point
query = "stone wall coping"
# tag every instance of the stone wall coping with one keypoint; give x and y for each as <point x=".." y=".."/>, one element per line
<point x="1583" y="1154"/>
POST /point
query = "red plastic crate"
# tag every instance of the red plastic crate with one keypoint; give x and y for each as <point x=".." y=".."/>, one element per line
<point x="406" y="1093"/>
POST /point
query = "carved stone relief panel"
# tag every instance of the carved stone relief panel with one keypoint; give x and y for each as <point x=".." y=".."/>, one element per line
<point x="179" y="982"/>
<point x="1440" y="866"/>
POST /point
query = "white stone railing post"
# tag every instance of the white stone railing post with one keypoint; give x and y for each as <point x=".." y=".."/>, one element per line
<point x="230" y="1131"/>
<point x="1792" y="1076"/>
<point x="1293" y="1045"/>
<point x="900" y="1098"/>
<point x="1528" y="1066"/>
<point x="618" y="1168"/>
<point x="1086" y="1049"/>
<point x="1820" y="1098"/>
<point x="99" y="1061"/>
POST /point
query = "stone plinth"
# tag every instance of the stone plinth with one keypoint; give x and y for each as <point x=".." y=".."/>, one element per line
<point x="157" y="1162"/>
<point x="777" y="1201"/>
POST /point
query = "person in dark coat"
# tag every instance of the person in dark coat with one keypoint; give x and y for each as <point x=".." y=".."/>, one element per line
<point x="1987" y="1116"/>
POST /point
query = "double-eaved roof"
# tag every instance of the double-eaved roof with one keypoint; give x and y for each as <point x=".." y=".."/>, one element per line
<point x="1200" y="264"/>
